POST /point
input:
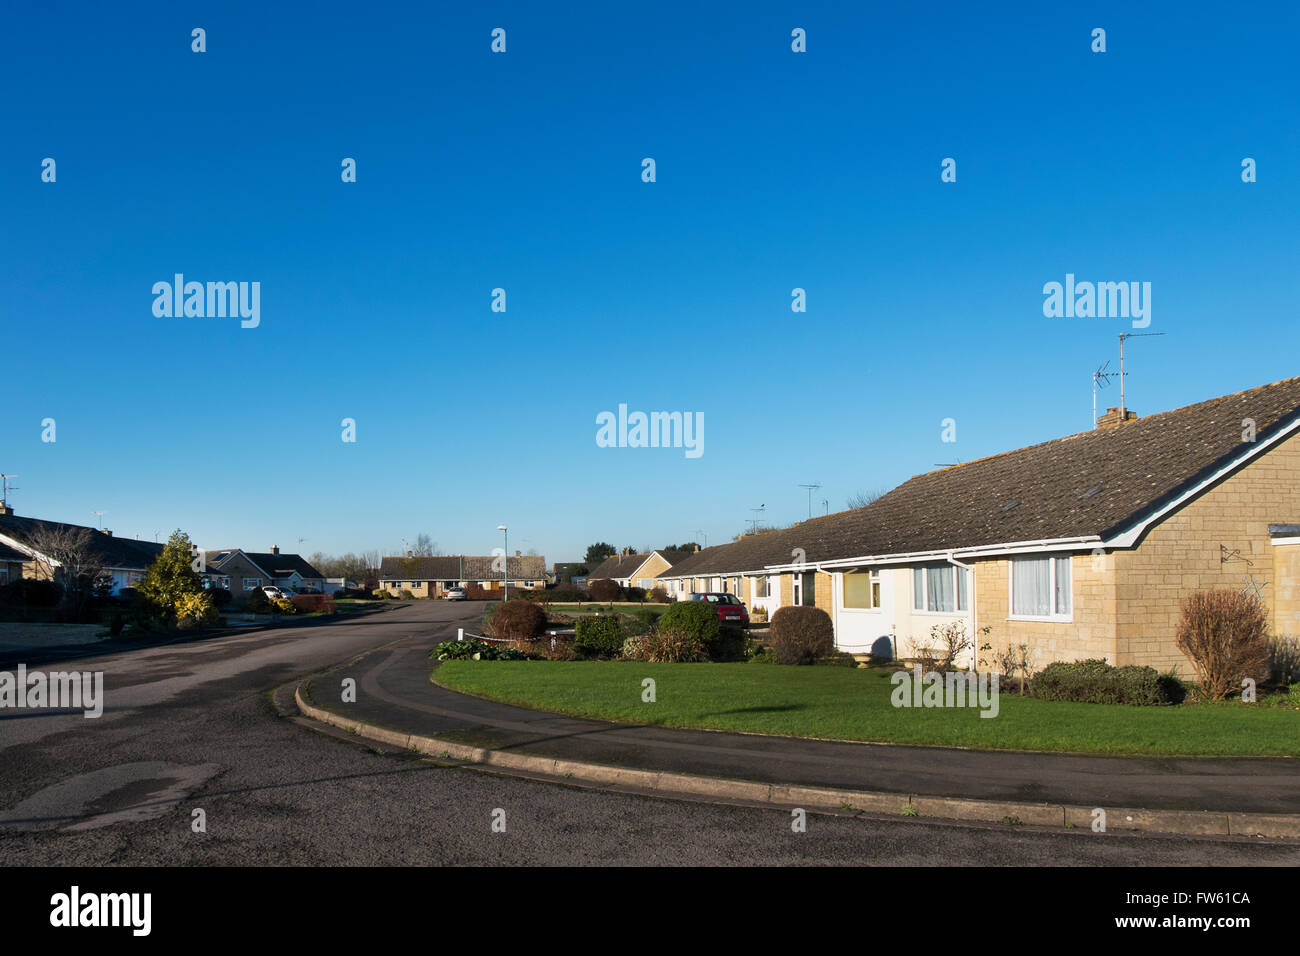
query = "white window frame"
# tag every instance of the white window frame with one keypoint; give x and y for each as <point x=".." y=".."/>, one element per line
<point x="252" y="584"/>
<point x="1052" y="558"/>
<point x="925" y="590"/>
<point x="875" y="593"/>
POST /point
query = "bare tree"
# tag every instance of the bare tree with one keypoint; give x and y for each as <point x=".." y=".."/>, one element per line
<point x="863" y="498"/>
<point x="425" y="546"/>
<point x="69" y="557"/>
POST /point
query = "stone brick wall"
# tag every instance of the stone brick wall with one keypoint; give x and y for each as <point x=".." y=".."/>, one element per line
<point x="1182" y="554"/>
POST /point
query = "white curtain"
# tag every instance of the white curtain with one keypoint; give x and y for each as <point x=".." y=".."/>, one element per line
<point x="1063" y="585"/>
<point x="941" y="596"/>
<point x="1031" y="587"/>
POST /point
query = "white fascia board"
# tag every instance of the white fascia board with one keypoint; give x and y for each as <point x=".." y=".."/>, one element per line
<point x="943" y="554"/>
<point x="1277" y="541"/>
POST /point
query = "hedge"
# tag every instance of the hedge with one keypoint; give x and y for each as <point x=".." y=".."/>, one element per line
<point x="1097" y="682"/>
<point x="598" y="637"/>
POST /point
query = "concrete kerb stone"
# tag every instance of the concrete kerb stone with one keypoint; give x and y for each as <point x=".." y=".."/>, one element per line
<point x="1206" y="823"/>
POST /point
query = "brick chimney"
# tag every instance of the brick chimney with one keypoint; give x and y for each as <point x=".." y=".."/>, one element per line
<point x="518" y="554"/>
<point x="5" y="509"/>
<point x="275" y="549"/>
<point x="1112" y="417"/>
<point x="106" y="531"/>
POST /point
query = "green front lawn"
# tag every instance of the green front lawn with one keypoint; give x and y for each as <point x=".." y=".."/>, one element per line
<point x="854" y="704"/>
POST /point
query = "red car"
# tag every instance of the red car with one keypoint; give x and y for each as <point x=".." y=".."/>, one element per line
<point x="730" y="608"/>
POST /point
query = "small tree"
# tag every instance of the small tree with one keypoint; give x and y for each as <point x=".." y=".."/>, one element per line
<point x="1225" y="635"/>
<point x="170" y="578"/>
<point x="598" y="552"/>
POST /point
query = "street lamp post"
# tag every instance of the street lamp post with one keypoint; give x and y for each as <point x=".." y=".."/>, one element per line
<point x="505" y="560"/>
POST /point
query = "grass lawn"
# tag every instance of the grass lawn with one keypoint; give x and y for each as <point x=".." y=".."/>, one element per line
<point x="854" y="704"/>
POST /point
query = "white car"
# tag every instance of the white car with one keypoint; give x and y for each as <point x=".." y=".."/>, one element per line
<point x="454" y="594"/>
<point x="274" y="593"/>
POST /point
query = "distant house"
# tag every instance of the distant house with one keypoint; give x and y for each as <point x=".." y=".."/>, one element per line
<point x="429" y="577"/>
<point x="636" y="570"/>
<point x="239" y="571"/>
<point x="124" y="560"/>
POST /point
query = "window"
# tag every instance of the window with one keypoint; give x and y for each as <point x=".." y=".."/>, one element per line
<point x="762" y="587"/>
<point x="940" y="589"/>
<point x="862" y="590"/>
<point x="1040" y="587"/>
<point x="251" y="584"/>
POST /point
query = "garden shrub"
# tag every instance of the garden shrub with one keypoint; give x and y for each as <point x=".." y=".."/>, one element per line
<point x="312" y="603"/>
<point x="672" y="645"/>
<point x="1284" y="660"/>
<point x="285" y="606"/>
<point x="729" y="645"/>
<point x="634" y="594"/>
<point x="516" y="621"/>
<point x="1097" y="682"/>
<point x="567" y="594"/>
<point x="475" y="651"/>
<point x="381" y="594"/>
<point x="32" y="592"/>
<point x="195" y="611"/>
<point x="634" y="648"/>
<point x="647" y="615"/>
<point x="1224" y="633"/>
<point x="220" y="596"/>
<point x="604" y="590"/>
<point x="406" y="595"/>
<point x="598" y="637"/>
<point x="658" y="595"/>
<point x="257" y="602"/>
<point x="697" y="618"/>
<point x="800" y="635"/>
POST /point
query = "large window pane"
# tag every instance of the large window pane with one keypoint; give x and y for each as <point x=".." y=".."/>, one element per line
<point x="1063" y="585"/>
<point x="940" y="593"/>
<point x="1031" y="586"/>
<point x="857" y="590"/>
<point x="963" y="603"/>
<point x="918" y="589"/>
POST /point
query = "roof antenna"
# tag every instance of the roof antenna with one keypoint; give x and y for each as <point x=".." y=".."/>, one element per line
<point x="810" y="491"/>
<point x="5" y="488"/>
<point x="1101" y="378"/>
<point x="701" y="531"/>
<point x="99" y="523"/>
<point x="758" y="514"/>
<point x="1123" y="409"/>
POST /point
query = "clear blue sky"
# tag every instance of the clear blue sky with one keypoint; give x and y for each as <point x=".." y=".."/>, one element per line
<point x="775" y="170"/>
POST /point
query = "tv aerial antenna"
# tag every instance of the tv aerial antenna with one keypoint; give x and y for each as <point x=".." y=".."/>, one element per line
<point x="1100" y="379"/>
<point x="758" y="514"/>
<point x="811" y="488"/>
<point x="1123" y="408"/>
<point x="99" y="519"/>
<point x="5" y="488"/>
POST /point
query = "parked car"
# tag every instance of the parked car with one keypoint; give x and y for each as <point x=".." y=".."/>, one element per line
<point x="454" y="594"/>
<point x="730" y="608"/>
<point x="274" y="593"/>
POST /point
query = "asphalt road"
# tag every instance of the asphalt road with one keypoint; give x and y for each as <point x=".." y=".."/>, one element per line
<point x="191" y="727"/>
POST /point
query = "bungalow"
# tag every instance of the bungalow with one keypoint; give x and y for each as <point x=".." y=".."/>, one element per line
<point x="636" y="570"/>
<point x="239" y="571"/>
<point x="1079" y="547"/>
<point x="124" y="560"/>
<point x="431" y="577"/>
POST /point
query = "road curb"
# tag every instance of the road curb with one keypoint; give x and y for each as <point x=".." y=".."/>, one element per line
<point x="1185" y="822"/>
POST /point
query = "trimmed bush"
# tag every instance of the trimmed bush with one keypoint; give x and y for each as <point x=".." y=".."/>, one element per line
<point x="406" y="595"/>
<point x="516" y="621"/>
<point x="699" y="619"/>
<point x="800" y="635"/>
<point x="598" y="637"/>
<point x="658" y="595"/>
<point x="311" y="603"/>
<point x="634" y="594"/>
<point x="604" y="590"/>
<point x="1097" y="682"/>
<point x="1224" y="633"/>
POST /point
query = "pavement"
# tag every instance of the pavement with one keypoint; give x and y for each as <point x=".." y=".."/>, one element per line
<point x="398" y="705"/>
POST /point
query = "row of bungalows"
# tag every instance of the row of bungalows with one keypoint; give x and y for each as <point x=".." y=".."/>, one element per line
<point x="630" y="570"/>
<point x="1081" y="547"/>
<point x="432" y="576"/>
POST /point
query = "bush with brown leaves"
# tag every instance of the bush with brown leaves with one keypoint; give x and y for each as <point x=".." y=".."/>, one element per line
<point x="1224" y="634"/>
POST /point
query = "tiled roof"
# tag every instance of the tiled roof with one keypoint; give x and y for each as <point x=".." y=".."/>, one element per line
<point x="122" y="553"/>
<point x="528" y="567"/>
<point x="1093" y="484"/>
<point x="619" y="566"/>
<point x="282" y="565"/>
